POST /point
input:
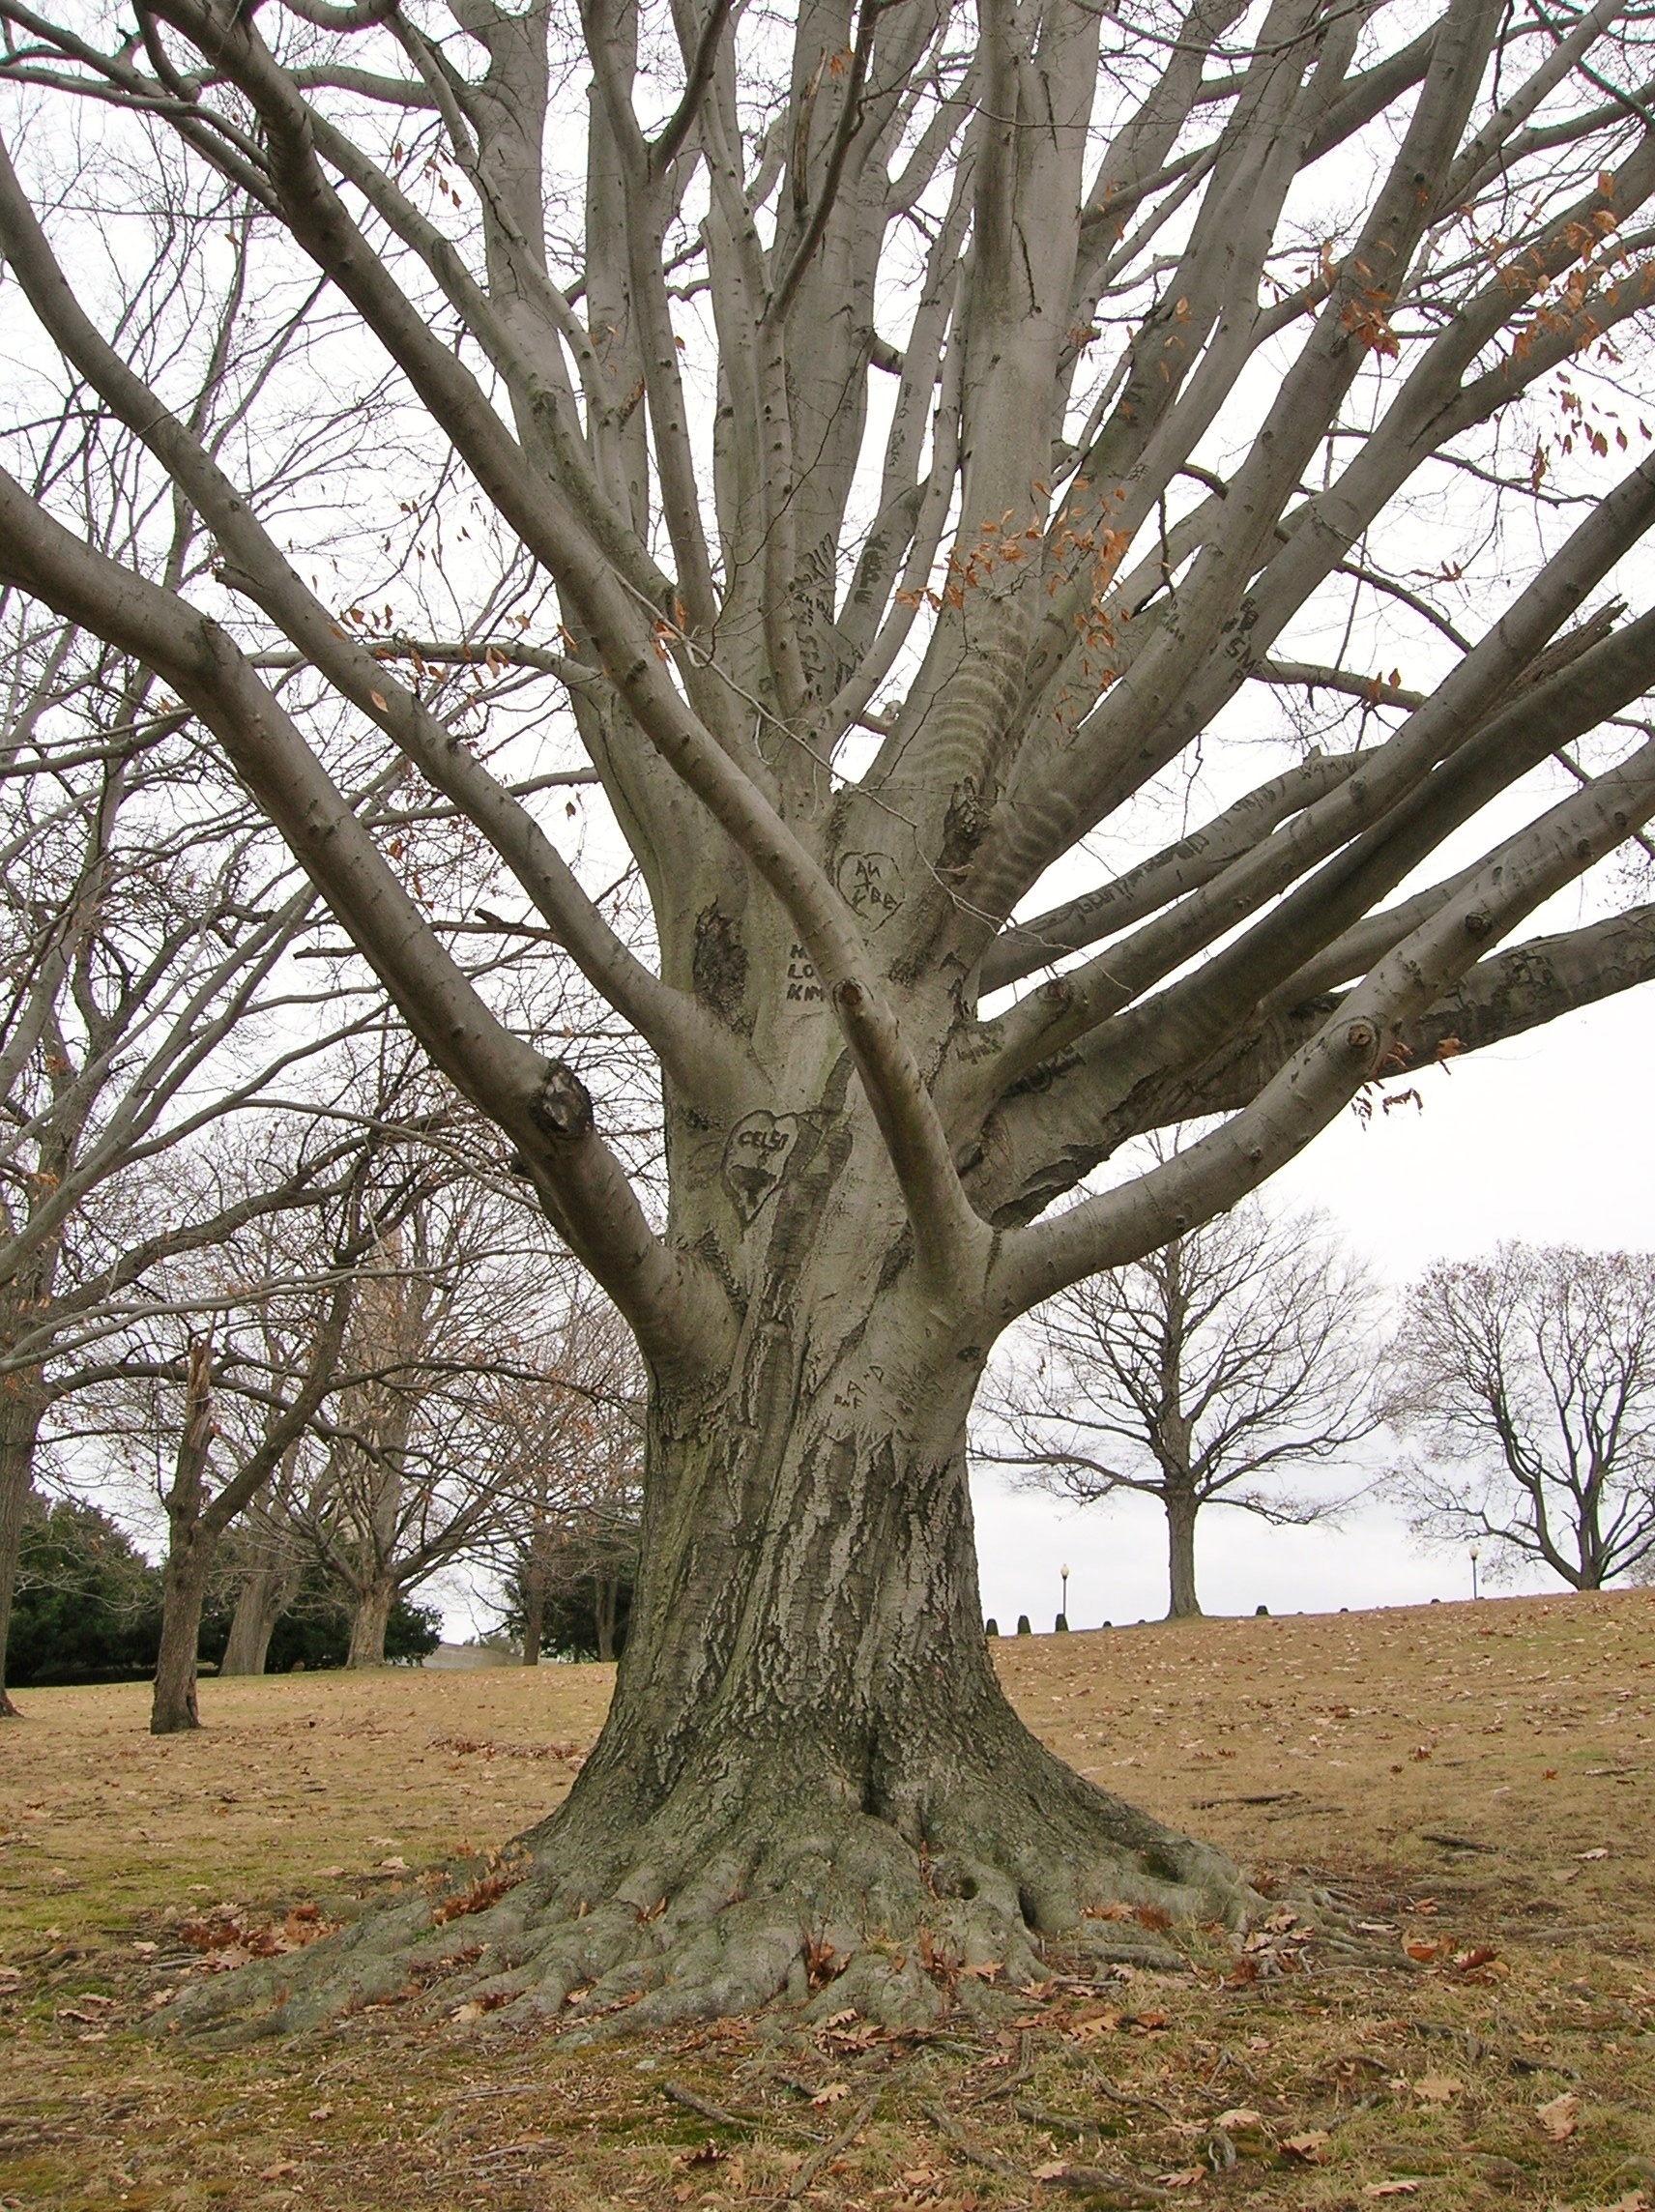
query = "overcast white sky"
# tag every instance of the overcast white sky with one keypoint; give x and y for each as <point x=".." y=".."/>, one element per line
<point x="1545" y="1138"/>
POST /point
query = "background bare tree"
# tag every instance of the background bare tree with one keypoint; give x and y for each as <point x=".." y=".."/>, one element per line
<point x="299" y="1323"/>
<point x="575" y="1433"/>
<point x="1218" y="1371"/>
<point x="424" y="1444"/>
<point x="1526" y="1384"/>
<point x="146" y="912"/>
<point x="1058" y="388"/>
<point x="210" y="1388"/>
<point x="270" y="1564"/>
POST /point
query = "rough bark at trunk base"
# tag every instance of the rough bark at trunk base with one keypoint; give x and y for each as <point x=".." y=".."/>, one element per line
<point x="800" y="1898"/>
<point x="809" y="1773"/>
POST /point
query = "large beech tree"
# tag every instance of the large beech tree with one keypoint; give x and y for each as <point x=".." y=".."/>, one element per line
<point x="947" y="432"/>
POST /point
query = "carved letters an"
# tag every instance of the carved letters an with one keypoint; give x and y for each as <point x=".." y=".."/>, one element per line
<point x="870" y="883"/>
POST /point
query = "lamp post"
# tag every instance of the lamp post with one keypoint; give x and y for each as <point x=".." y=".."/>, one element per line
<point x="1475" y="1551"/>
<point x="1064" y="1608"/>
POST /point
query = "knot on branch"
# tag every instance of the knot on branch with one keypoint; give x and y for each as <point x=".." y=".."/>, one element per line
<point x="967" y="822"/>
<point x="1478" y="923"/>
<point x="1360" y="1039"/>
<point x="562" y="1106"/>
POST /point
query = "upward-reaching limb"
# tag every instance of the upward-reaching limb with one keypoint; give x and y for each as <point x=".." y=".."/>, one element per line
<point x="678" y="1311"/>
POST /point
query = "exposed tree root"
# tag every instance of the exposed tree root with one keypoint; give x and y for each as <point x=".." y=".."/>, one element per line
<point x="823" y="1906"/>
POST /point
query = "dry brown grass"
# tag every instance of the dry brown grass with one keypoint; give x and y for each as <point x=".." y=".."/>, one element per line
<point x="1468" y="1780"/>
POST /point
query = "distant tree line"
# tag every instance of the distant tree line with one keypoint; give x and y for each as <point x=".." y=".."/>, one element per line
<point x="1244" y="1363"/>
<point x="89" y="1606"/>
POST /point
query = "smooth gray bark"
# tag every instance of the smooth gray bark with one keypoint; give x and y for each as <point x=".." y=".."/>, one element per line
<point x="263" y="1598"/>
<point x="371" y="1615"/>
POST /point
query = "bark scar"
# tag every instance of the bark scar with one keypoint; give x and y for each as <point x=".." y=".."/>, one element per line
<point x="562" y="1107"/>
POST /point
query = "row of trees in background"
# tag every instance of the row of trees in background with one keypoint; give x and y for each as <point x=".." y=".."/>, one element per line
<point x="335" y="1403"/>
<point x="268" y="1289"/>
<point x="321" y="1419"/>
<point x="1243" y="1365"/>
<point x="89" y="1607"/>
<point x="270" y="1294"/>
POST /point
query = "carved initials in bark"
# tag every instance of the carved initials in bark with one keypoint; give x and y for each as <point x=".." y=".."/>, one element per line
<point x="870" y="883"/>
<point x="756" y="1158"/>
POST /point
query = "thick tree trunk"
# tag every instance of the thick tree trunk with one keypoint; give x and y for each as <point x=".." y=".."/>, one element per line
<point x="368" y="1624"/>
<point x="264" y="1598"/>
<point x="1181" y="1508"/>
<point x="809" y="1767"/>
<point x="20" y="1416"/>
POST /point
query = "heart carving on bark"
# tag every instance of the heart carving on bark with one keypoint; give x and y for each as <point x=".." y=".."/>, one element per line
<point x="871" y="886"/>
<point x="756" y="1158"/>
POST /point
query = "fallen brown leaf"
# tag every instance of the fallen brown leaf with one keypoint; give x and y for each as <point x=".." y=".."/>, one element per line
<point x="704" y="2154"/>
<point x="1561" y="2116"/>
<point x="1438" y="2088"/>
